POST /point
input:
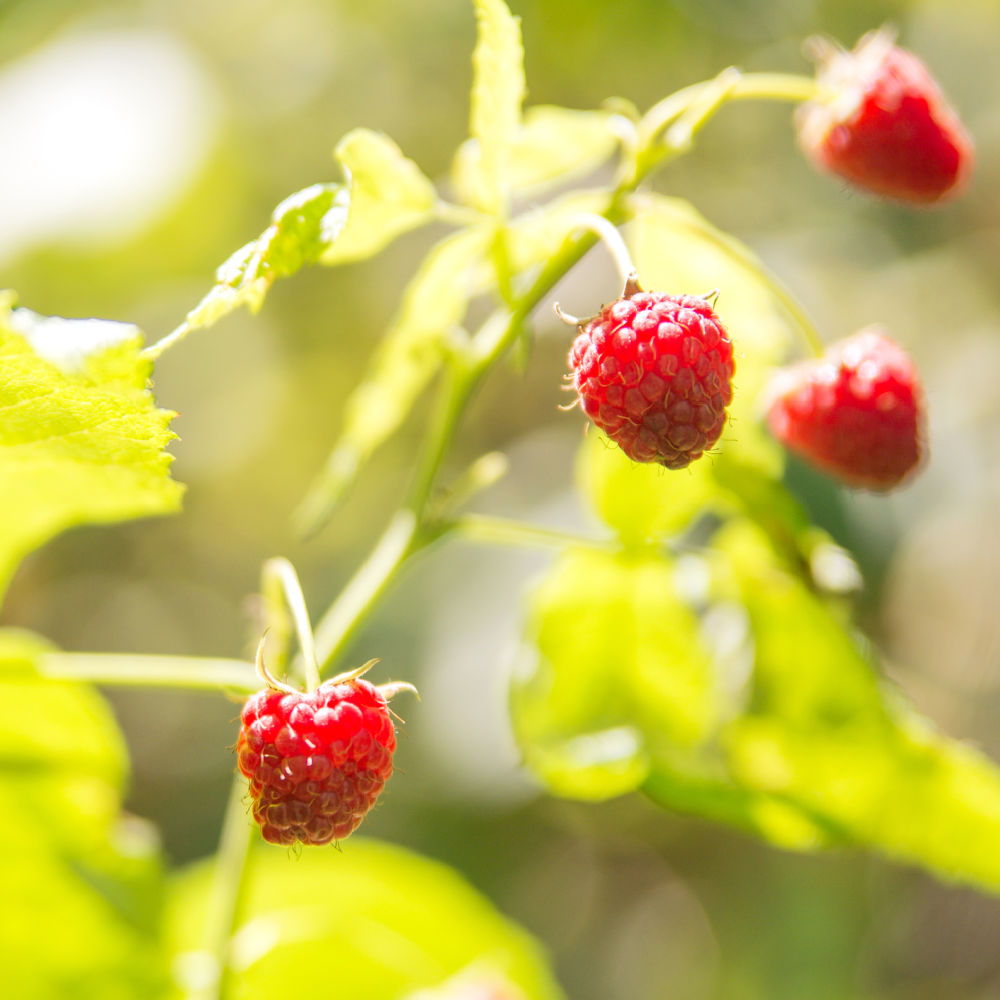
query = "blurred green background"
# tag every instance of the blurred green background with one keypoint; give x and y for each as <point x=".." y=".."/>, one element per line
<point x="144" y="142"/>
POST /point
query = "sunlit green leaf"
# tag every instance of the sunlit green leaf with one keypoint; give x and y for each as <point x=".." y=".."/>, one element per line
<point x="383" y="195"/>
<point x="388" y="196"/>
<point x="389" y="922"/>
<point x="413" y="350"/>
<point x="616" y="671"/>
<point x="552" y="145"/>
<point x="642" y="501"/>
<point x="645" y="502"/>
<point x="302" y="228"/>
<point x="497" y="92"/>
<point x="82" y="440"/>
<point x="826" y="733"/>
<point x="81" y="886"/>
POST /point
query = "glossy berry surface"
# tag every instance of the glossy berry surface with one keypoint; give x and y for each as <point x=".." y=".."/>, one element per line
<point x="654" y="372"/>
<point x="887" y="128"/>
<point x="856" y="413"/>
<point x="315" y="762"/>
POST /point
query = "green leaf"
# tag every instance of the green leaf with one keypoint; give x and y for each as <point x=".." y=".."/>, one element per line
<point x="389" y="921"/>
<point x="617" y="673"/>
<point x="413" y="350"/>
<point x="552" y="145"/>
<point x="823" y="731"/>
<point x="388" y="196"/>
<point x="302" y="229"/>
<point x="384" y="195"/>
<point x="497" y="93"/>
<point x="645" y="502"/>
<point x="82" y="886"/>
<point x="81" y="440"/>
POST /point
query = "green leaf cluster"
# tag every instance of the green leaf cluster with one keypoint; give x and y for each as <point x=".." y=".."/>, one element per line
<point x="709" y="663"/>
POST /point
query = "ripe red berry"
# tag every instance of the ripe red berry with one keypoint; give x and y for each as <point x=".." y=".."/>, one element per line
<point x="857" y="413"/>
<point x="654" y="372"/>
<point x="888" y="128"/>
<point x="316" y="762"/>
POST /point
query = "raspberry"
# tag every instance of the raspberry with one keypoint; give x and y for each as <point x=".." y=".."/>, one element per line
<point x="316" y="762"/>
<point x="857" y="413"/>
<point x="888" y="128"/>
<point x="654" y="372"/>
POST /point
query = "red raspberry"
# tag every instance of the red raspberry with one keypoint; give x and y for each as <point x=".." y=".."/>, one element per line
<point x="654" y="372"/>
<point x="316" y="762"/>
<point x="888" y="128"/>
<point x="856" y="413"/>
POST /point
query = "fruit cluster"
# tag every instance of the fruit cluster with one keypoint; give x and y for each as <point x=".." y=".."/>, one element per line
<point x="654" y="371"/>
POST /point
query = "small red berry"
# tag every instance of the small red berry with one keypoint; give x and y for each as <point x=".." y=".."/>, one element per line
<point x="857" y="413"/>
<point x="316" y="762"/>
<point x="888" y="128"/>
<point x="655" y="372"/>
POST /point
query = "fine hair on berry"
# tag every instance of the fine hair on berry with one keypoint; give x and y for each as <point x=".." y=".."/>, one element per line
<point x="654" y="372"/>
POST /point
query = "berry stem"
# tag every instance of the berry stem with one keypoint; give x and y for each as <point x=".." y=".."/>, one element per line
<point x="362" y="592"/>
<point x="693" y="106"/>
<point x="280" y="570"/>
<point x="611" y="239"/>
<point x="136" y="670"/>
<point x="506" y="531"/>
<point x="225" y="897"/>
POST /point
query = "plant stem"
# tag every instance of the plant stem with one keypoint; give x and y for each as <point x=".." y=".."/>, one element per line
<point x="357" y="600"/>
<point x="133" y="670"/>
<point x="506" y="531"/>
<point x="223" y="904"/>
<point x="612" y="240"/>
<point x="749" y="86"/>
<point x="283" y="572"/>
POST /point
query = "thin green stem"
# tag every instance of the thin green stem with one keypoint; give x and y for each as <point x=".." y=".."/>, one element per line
<point x="612" y="240"/>
<point x="791" y="87"/>
<point x="506" y="531"/>
<point x="458" y="215"/>
<point x="225" y="896"/>
<point x="459" y="382"/>
<point x="358" y="599"/>
<point x="133" y="670"/>
<point x="153" y="351"/>
<point x="693" y="106"/>
<point x="282" y="572"/>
